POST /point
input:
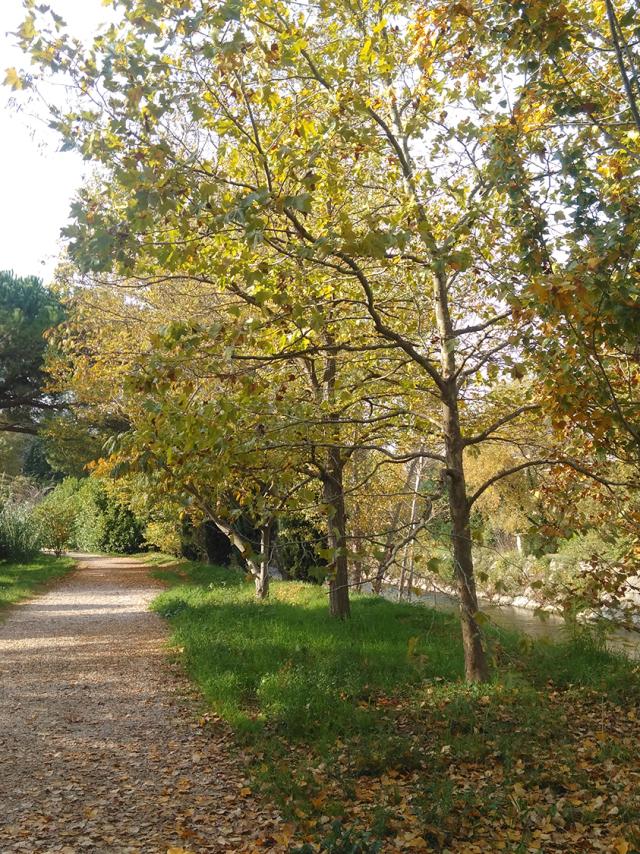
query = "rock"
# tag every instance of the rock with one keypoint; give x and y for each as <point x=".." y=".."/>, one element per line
<point x="551" y="609"/>
<point x="632" y="589"/>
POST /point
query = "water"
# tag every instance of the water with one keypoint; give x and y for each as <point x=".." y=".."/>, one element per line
<point x="548" y="626"/>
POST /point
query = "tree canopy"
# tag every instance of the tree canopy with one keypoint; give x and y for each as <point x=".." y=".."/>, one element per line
<point x="27" y="311"/>
<point x="336" y="238"/>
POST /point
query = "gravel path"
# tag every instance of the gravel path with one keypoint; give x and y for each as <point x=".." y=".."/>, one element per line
<point x="101" y="749"/>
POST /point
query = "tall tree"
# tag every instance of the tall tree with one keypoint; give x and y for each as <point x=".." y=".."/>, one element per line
<point x="258" y="146"/>
<point x="27" y="311"/>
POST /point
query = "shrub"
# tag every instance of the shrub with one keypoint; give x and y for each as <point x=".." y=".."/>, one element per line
<point x="164" y="536"/>
<point x="57" y="525"/>
<point x="122" y="531"/>
<point x="90" y="502"/>
<point x="297" y="547"/>
<point x="80" y="514"/>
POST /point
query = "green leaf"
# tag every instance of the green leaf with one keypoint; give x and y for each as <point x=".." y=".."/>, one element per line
<point x="301" y="202"/>
<point x="231" y="11"/>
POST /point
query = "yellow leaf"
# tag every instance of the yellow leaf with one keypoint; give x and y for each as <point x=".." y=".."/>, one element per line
<point x="178" y="851"/>
<point x="621" y="846"/>
<point x="366" y="49"/>
<point x="13" y="79"/>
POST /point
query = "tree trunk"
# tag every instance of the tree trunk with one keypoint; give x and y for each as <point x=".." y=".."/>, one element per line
<point x="408" y="561"/>
<point x="334" y="499"/>
<point x="475" y="659"/>
<point x="384" y="563"/>
<point x="403" y="574"/>
<point x="262" y="578"/>
<point x="390" y="548"/>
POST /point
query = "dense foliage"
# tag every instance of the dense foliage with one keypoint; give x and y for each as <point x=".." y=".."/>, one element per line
<point x="373" y="266"/>
<point x="83" y="516"/>
<point x="27" y="311"/>
<point x="20" y="531"/>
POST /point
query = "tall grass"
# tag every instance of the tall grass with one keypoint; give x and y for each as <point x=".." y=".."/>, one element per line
<point x="20" y="532"/>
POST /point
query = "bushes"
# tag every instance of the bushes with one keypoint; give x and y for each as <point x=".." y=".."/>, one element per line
<point x="164" y="536"/>
<point x="297" y="545"/>
<point x="122" y="531"/>
<point x="81" y="514"/>
<point x="20" y="532"/>
<point x="554" y="578"/>
<point x="57" y="526"/>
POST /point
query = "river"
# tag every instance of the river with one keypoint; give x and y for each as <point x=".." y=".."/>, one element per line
<point x="550" y="626"/>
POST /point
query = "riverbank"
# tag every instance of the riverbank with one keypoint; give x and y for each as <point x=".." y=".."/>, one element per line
<point x="364" y="731"/>
<point x="522" y="613"/>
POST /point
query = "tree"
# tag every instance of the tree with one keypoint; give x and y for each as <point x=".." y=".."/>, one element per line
<point x="570" y="156"/>
<point x="27" y="311"/>
<point x="223" y="414"/>
<point x="260" y="149"/>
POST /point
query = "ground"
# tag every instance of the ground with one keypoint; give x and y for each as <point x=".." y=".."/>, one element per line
<point x="101" y="746"/>
<point x="365" y="735"/>
<point x="359" y="733"/>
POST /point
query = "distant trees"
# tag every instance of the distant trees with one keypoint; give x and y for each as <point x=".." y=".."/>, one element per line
<point x="27" y="311"/>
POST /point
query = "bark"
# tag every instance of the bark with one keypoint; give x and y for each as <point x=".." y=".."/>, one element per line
<point x="353" y="559"/>
<point x="334" y="499"/>
<point x="262" y="578"/>
<point x="475" y="659"/>
<point x="407" y="559"/>
<point x="385" y="561"/>
<point x="356" y="572"/>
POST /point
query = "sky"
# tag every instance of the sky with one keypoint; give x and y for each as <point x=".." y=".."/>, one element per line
<point x="37" y="181"/>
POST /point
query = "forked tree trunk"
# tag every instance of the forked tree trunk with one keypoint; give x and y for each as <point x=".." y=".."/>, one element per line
<point x="334" y="499"/>
<point x="262" y="578"/>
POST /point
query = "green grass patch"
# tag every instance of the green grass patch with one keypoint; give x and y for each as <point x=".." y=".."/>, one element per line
<point x="20" y="580"/>
<point x="335" y="711"/>
<point x="286" y="664"/>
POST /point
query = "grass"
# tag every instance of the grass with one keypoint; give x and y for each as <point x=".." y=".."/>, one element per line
<point x="369" y="722"/>
<point x="20" y="580"/>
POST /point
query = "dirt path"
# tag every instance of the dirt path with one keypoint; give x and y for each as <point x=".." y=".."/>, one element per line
<point x="100" y="748"/>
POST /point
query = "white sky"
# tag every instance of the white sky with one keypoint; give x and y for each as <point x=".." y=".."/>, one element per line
<point x="37" y="181"/>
